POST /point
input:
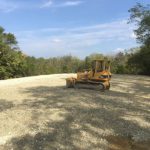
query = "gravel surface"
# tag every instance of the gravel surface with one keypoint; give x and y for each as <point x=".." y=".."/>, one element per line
<point x="39" y="113"/>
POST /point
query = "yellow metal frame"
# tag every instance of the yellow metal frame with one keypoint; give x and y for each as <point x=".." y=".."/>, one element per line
<point x="99" y="74"/>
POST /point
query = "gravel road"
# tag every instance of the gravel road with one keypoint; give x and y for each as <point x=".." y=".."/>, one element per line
<point x="39" y="113"/>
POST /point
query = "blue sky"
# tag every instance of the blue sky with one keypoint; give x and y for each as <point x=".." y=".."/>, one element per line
<point x="47" y="28"/>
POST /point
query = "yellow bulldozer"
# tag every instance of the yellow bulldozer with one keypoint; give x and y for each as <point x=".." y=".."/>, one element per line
<point x="97" y="77"/>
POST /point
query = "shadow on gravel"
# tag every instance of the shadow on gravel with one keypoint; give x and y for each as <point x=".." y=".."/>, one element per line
<point x="4" y="105"/>
<point x="93" y="120"/>
<point x="137" y="85"/>
<point x="136" y="88"/>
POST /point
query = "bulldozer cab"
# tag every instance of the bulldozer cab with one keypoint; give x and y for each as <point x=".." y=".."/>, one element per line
<point x="100" y="65"/>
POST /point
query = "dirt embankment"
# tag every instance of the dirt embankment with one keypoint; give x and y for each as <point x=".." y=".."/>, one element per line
<point x="39" y="113"/>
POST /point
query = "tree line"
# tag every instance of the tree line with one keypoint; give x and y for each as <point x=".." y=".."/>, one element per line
<point x="14" y="63"/>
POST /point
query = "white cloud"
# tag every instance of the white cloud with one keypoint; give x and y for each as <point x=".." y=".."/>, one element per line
<point x="133" y="35"/>
<point x="79" y="40"/>
<point x="48" y="3"/>
<point x="11" y="5"/>
<point x="56" y="40"/>
<point x="71" y="3"/>
<point x="52" y="3"/>
<point x="118" y="50"/>
<point x="7" y="6"/>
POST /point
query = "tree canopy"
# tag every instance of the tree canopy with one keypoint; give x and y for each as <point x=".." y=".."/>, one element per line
<point x="11" y="59"/>
<point x="140" y="15"/>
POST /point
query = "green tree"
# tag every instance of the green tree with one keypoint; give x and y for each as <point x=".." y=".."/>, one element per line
<point x="140" y="15"/>
<point x="119" y="63"/>
<point x="11" y="58"/>
<point x="88" y="60"/>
